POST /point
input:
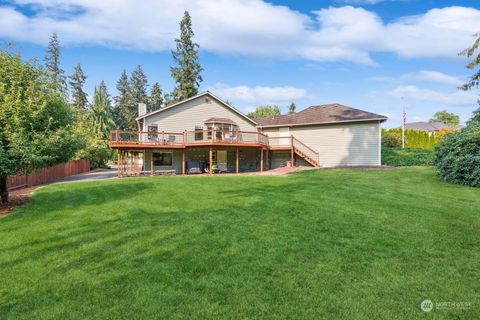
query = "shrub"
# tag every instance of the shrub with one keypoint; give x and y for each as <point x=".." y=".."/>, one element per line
<point x="406" y="157"/>
<point x="457" y="156"/>
<point x="413" y="138"/>
<point x="391" y="139"/>
<point x="97" y="152"/>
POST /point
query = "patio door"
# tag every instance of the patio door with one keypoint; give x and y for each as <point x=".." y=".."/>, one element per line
<point x="284" y="134"/>
<point x="222" y="160"/>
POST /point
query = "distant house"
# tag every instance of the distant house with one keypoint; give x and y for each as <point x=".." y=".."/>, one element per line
<point x="205" y="134"/>
<point x="431" y="127"/>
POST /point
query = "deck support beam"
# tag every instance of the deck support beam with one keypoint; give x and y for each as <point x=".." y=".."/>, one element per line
<point x="211" y="159"/>
<point x="293" y="157"/>
<point x="151" y="163"/>
<point x="119" y="162"/>
<point x="261" y="160"/>
<point x="236" y="161"/>
<point x="183" y="161"/>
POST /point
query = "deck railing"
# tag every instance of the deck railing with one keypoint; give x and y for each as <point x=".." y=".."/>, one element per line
<point x="280" y="141"/>
<point x="189" y="137"/>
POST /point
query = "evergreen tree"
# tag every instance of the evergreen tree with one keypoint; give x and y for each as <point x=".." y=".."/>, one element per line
<point x="52" y="63"/>
<point x="138" y="86"/>
<point x="77" y="80"/>
<point x="292" y="107"/>
<point x="101" y="113"/>
<point x="187" y="73"/>
<point x="124" y="114"/>
<point x="156" y="98"/>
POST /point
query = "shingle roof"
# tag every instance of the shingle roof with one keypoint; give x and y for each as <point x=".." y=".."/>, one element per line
<point x="326" y="113"/>
<point x="430" y="126"/>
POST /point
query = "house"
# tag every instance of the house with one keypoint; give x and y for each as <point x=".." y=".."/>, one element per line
<point x="431" y="127"/>
<point x="206" y="134"/>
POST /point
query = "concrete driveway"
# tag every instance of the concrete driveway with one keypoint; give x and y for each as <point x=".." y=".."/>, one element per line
<point x="93" y="175"/>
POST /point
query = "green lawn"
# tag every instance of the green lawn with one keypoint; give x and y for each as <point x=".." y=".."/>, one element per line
<point x="365" y="244"/>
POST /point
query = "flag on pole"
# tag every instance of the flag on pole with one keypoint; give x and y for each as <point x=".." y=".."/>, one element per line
<point x="403" y="127"/>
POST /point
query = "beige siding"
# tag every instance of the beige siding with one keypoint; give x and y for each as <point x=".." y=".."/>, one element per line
<point x="194" y="113"/>
<point x="345" y="144"/>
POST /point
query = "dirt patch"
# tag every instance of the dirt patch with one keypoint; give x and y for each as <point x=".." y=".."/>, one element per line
<point x="17" y="197"/>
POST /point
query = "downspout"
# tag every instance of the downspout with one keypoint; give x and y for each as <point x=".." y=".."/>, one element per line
<point x="379" y="143"/>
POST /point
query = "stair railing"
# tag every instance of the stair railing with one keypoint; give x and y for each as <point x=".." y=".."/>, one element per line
<point x="306" y="150"/>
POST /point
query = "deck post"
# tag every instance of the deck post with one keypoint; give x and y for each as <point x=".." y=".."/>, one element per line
<point x="211" y="159"/>
<point x="293" y="156"/>
<point x="261" y="160"/>
<point x="269" y="165"/>
<point x="151" y="163"/>
<point x="236" y="161"/>
<point x="119" y="162"/>
<point x="183" y="161"/>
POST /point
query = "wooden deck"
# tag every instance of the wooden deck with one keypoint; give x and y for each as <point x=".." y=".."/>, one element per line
<point x="176" y="140"/>
<point x="137" y="141"/>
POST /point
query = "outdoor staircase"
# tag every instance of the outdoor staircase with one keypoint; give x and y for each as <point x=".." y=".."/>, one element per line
<point x="305" y="152"/>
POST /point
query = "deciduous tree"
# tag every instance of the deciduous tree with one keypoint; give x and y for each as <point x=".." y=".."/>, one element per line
<point x="35" y="121"/>
<point x="472" y="52"/>
<point x="264" y="111"/>
<point x="446" y="117"/>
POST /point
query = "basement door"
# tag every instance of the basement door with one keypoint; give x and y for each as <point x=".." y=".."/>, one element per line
<point x="222" y="160"/>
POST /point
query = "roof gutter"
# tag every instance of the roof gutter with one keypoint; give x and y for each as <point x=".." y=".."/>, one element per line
<point x="317" y="123"/>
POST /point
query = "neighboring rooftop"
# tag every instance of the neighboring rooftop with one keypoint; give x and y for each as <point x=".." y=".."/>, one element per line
<point x="326" y="113"/>
<point x="430" y="126"/>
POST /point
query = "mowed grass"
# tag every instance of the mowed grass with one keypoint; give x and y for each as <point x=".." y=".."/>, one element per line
<point x="356" y="244"/>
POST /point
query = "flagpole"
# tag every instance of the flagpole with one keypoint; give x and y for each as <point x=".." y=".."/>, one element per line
<point x="403" y="127"/>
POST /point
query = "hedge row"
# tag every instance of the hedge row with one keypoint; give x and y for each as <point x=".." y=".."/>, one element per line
<point x="398" y="157"/>
<point x="413" y="138"/>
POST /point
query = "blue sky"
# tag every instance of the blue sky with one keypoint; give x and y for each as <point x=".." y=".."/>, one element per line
<point x="371" y="54"/>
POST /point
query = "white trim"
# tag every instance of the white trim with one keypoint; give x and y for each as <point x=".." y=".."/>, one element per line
<point x="195" y="97"/>
<point x="317" y="123"/>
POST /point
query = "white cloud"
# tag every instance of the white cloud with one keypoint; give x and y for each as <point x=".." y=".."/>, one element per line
<point x="246" y="27"/>
<point x="434" y="77"/>
<point x="455" y="98"/>
<point x="360" y="2"/>
<point x="258" y="95"/>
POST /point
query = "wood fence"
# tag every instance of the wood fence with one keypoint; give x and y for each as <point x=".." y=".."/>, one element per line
<point x="49" y="174"/>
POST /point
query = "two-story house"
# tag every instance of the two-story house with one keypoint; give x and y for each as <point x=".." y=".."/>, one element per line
<point x="204" y="134"/>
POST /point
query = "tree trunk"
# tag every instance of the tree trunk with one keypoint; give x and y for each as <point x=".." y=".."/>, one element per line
<point x="3" y="189"/>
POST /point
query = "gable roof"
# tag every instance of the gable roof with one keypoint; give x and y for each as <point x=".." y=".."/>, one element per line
<point x="430" y="126"/>
<point x="206" y="93"/>
<point x="321" y="114"/>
